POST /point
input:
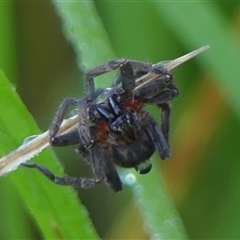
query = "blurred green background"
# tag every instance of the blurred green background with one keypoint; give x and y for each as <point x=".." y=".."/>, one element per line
<point x="203" y="173"/>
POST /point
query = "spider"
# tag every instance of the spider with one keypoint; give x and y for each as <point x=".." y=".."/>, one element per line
<point x="116" y="129"/>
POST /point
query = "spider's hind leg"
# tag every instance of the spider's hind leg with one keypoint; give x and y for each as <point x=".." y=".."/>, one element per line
<point x="66" y="180"/>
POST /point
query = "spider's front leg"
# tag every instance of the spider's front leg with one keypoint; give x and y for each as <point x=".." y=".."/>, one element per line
<point x="58" y="119"/>
<point x="71" y="138"/>
<point x="107" y="67"/>
<point x="129" y="71"/>
<point x="126" y="77"/>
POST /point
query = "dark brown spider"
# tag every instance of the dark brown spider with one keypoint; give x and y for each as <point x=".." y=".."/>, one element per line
<point x="116" y="129"/>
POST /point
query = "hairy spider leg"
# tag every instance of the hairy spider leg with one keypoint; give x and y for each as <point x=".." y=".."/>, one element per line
<point x="140" y="68"/>
<point x="156" y="135"/>
<point x="63" y="108"/>
<point x="104" y="68"/>
<point x="58" y="119"/>
<point x="66" y="180"/>
<point x="161" y="100"/>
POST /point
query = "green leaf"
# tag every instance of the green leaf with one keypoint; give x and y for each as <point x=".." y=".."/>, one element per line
<point x="57" y="210"/>
<point x="156" y="207"/>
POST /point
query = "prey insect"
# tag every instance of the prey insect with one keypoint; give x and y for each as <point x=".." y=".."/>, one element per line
<point x="116" y="129"/>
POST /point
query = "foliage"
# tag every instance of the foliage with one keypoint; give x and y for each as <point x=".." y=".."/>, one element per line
<point x="203" y="173"/>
